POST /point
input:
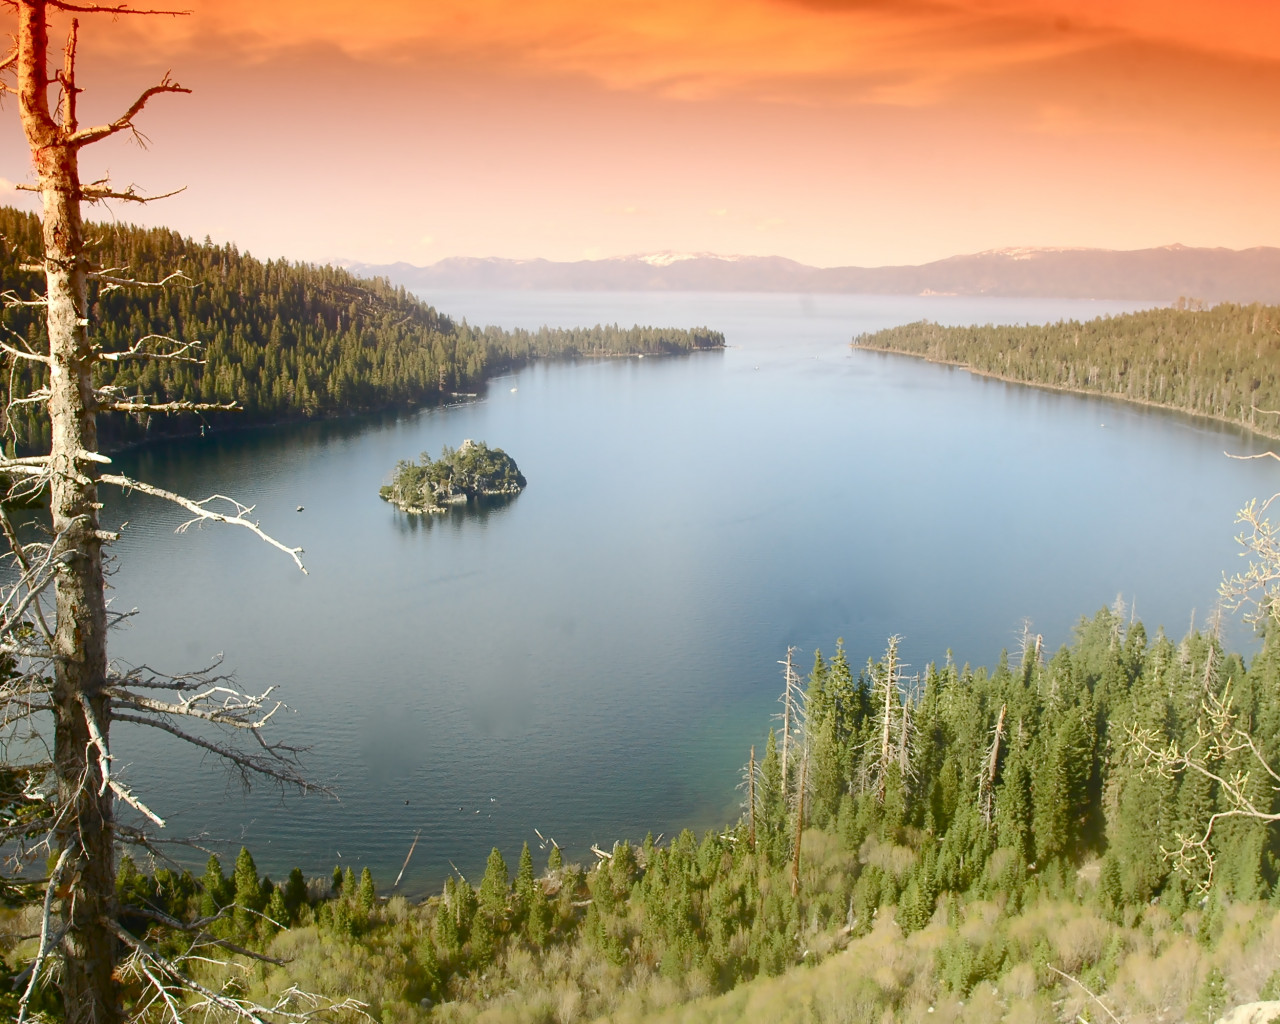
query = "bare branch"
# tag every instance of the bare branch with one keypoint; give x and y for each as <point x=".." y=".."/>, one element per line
<point x="127" y="282"/>
<point x="125" y="121"/>
<point x="94" y="194"/>
<point x="236" y="709"/>
<point x="237" y="1006"/>
<point x="44" y="948"/>
<point x="21" y="354"/>
<point x="67" y="79"/>
<point x="136" y="351"/>
<point x="1218" y="740"/>
<point x="275" y="766"/>
<point x="198" y="928"/>
<point x="1091" y="995"/>
<point x="138" y="405"/>
<point x="135" y="803"/>
<point x="99" y="742"/>
<point x="203" y="514"/>
<point x="65" y="5"/>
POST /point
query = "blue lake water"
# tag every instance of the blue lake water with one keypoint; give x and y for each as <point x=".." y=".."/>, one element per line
<point x="594" y="658"/>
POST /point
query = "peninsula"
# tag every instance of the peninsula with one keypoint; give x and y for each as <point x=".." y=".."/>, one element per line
<point x="470" y="471"/>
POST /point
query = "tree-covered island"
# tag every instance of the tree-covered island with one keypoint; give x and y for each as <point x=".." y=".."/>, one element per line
<point x="470" y="471"/>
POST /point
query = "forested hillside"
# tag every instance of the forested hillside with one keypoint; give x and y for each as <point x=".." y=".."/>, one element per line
<point x="967" y="835"/>
<point x="1223" y="362"/>
<point x="284" y="340"/>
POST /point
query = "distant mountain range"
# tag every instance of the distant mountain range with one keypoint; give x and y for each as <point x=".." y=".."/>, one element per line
<point x="1163" y="274"/>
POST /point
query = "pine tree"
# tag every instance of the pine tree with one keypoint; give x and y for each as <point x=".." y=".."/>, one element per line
<point x="248" y="897"/>
<point x="214" y="890"/>
<point x="1013" y="807"/>
<point x="494" y="891"/>
<point x="366" y="895"/>
<point x="295" y="894"/>
<point x="522" y="887"/>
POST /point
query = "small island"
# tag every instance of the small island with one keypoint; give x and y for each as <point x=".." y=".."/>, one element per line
<point x="470" y="471"/>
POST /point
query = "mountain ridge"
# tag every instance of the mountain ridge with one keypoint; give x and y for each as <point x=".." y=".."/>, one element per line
<point x="1162" y="274"/>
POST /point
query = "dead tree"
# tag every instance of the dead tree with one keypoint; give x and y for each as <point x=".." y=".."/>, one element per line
<point x="987" y="776"/>
<point x="890" y="694"/>
<point x="1029" y="647"/>
<point x="792" y="716"/>
<point x="59" y="693"/>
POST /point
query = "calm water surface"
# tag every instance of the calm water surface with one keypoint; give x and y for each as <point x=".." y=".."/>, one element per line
<point x="595" y="657"/>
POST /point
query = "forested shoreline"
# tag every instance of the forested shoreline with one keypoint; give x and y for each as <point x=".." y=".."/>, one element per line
<point x="1004" y="831"/>
<point x="285" y="341"/>
<point x="1222" y="363"/>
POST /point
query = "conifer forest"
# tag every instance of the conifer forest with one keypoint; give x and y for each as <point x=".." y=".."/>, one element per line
<point x="1220" y="363"/>
<point x="280" y="341"/>
<point x="970" y="843"/>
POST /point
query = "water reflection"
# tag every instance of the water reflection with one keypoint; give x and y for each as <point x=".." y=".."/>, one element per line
<point x="458" y="516"/>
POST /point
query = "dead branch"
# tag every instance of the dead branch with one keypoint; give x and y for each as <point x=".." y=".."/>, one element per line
<point x="148" y="960"/>
<point x="202" y="514"/>
<point x="1218" y="740"/>
<point x="277" y="765"/>
<point x="107" y="404"/>
<point x="1261" y="545"/>
<point x="136" y="804"/>
<point x="66" y="5"/>
<point x="236" y="709"/>
<point x="95" y="194"/>
<point x="199" y="928"/>
<point x="125" y="121"/>
<point x="114" y="283"/>
<point x="67" y="79"/>
<point x="1074" y="981"/>
<point x="43" y="950"/>
<point x="136" y="351"/>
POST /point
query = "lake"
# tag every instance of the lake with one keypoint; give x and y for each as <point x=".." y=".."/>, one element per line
<point x="594" y="658"/>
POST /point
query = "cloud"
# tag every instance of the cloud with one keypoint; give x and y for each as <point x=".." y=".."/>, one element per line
<point x="884" y="51"/>
<point x="891" y="53"/>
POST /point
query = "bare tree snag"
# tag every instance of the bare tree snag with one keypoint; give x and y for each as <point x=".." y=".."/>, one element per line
<point x="987" y="778"/>
<point x="891" y="699"/>
<point x="54" y="659"/>
<point x="792" y="716"/>
<point x="86" y="832"/>
<point x="751" y="797"/>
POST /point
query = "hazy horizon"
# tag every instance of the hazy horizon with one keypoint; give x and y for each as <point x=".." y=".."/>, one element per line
<point x="830" y="132"/>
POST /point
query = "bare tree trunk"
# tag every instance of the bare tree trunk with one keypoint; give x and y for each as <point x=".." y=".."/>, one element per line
<point x="86" y="830"/>
<point x="751" y="796"/>
<point x="63" y="669"/>
<point x="890" y="699"/>
<point x="786" y="721"/>
<point x="987" y="779"/>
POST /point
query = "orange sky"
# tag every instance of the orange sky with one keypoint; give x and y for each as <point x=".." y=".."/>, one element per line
<point x="831" y="131"/>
